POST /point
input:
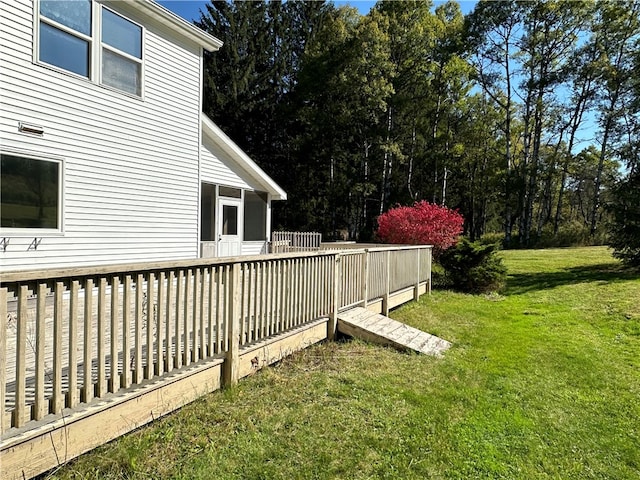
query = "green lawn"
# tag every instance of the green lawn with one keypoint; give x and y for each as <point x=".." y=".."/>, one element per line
<point x="542" y="381"/>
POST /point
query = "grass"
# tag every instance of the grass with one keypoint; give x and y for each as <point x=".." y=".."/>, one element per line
<point x="542" y="382"/>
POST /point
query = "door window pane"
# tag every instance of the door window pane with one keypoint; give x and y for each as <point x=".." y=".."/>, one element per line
<point x="64" y="50"/>
<point x="120" y="72"/>
<point x="75" y="14"/>
<point x="29" y="193"/>
<point x="229" y="220"/>
<point x="122" y="34"/>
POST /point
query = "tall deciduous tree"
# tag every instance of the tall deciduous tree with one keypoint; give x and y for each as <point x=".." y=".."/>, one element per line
<point x="617" y="36"/>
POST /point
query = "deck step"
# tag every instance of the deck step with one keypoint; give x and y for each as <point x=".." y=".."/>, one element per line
<point x="361" y="323"/>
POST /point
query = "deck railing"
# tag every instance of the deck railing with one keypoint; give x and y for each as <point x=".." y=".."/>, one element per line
<point x="285" y="242"/>
<point x="74" y="336"/>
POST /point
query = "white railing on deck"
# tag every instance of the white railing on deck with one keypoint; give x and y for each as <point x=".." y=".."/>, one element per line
<point x="286" y="242"/>
<point x="75" y="335"/>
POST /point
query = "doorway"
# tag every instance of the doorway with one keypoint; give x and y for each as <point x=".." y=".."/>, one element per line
<point x="229" y="224"/>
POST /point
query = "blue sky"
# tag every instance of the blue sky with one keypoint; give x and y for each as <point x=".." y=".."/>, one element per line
<point x="190" y="9"/>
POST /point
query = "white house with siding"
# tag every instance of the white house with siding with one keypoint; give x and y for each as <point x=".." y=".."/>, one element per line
<point x="106" y="154"/>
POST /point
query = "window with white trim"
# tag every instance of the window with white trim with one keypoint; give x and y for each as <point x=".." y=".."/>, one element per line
<point x="30" y="193"/>
<point x="92" y="41"/>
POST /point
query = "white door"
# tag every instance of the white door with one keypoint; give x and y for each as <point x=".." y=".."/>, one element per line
<point x="229" y="227"/>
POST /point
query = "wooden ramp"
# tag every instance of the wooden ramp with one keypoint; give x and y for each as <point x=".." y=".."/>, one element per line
<point x="370" y="326"/>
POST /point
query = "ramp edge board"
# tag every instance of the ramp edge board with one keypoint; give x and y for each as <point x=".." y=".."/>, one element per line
<point x="373" y="327"/>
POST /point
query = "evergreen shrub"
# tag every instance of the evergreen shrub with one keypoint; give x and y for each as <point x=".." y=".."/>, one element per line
<point x="474" y="267"/>
<point x="625" y="227"/>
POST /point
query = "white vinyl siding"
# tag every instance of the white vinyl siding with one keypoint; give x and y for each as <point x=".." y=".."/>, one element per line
<point x="131" y="190"/>
<point x="254" y="248"/>
<point x="218" y="168"/>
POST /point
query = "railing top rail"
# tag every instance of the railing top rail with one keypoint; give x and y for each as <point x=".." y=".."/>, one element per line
<point x="400" y="247"/>
<point x="152" y="267"/>
<point x="346" y="246"/>
<point x="146" y="267"/>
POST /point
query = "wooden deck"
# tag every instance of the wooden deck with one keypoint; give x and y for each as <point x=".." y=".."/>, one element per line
<point x="92" y="353"/>
<point x="362" y="323"/>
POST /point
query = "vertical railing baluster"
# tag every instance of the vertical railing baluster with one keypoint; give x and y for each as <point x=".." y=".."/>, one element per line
<point x="365" y="278"/>
<point x="304" y="290"/>
<point x="138" y="373"/>
<point x="101" y="334"/>
<point x="295" y="297"/>
<point x="203" y="329"/>
<point x="160" y="315"/>
<point x="277" y="304"/>
<point x="195" y="315"/>
<point x="292" y="294"/>
<point x="169" y="349"/>
<point x="220" y="298"/>
<point x="227" y="301"/>
<point x="114" y="381"/>
<point x="150" y="323"/>
<point x="72" y="395"/>
<point x="387" y="279"/>
<point x="317" y="287"/>
<point x="263" y="299"/>
<point x="178" y="326"/>
<point x="4" y="426"/>
<point x="186" y="358"/>
<point x="41" y="296"/>
<point x="416" y="288"/>
<point x="256" y="300"/>
<point x="213" y="304"/>
<point x="429" y="266"/>
<point x="57" y="401"/>
<point x="126" y="332"/>
<point x="21" y="358"/>
<point x="87" y="362"/>
<point x="270" y="288"/>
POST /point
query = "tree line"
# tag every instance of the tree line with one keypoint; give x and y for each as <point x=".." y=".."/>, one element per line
<point x="524" y="116"/>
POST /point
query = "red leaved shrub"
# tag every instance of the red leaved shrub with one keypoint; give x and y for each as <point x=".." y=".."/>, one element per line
<point x="422" y="224"/>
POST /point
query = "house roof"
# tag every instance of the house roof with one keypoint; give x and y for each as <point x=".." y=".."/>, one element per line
<point x="157" y="12"/>
<point x="211" y="131"/>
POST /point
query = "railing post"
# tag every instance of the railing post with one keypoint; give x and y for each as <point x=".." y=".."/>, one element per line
<point x="21" y="358"/>
<point x="416" y="288"/>
<point x="3" y="365"/>
<point x="385" y="297"/>
<point x="232" y="361"/>
<point x="332" y="327"/>
<point x="365" y="278"/>
<point x="429" y="266"/>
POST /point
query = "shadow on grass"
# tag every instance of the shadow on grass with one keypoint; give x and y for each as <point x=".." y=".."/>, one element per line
<point x="604" y="272"/>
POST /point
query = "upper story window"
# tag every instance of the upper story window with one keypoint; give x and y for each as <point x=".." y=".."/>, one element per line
<point x="65" y="35"/>
<point x="87" y="39"/>
<point x="121" y="53"/>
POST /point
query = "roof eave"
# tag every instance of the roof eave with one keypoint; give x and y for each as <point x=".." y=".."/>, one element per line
<point x="169" y="19"/>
